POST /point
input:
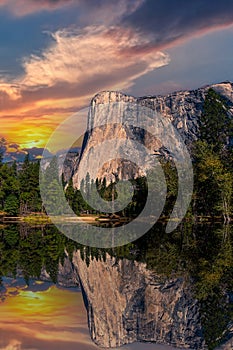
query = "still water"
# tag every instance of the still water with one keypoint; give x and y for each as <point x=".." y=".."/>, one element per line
<point x="42" y="308"/>
<point x="43" y="316"/>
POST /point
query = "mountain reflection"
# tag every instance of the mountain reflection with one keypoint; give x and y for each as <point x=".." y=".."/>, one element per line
<point x="35" y="312"/>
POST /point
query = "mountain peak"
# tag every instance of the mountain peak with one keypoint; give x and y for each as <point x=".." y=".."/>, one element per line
<point x="111" y="96"/>
<point x="107" y="96"/>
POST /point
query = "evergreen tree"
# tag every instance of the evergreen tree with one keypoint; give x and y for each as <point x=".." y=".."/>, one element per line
<point x="29" y="187"/>
<point x="11" y="206"/>
<point x="52" y="189"/>
<point x="70" y="193"/>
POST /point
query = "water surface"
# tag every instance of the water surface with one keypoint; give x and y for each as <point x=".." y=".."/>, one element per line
<point x="39" y="313"/>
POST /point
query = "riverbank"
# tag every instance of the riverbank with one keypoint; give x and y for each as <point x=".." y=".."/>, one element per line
<point x="41" y="219"/>
<point x="44" y="219"/>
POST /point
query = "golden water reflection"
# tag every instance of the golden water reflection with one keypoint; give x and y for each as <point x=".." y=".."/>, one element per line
<point x="42" y="316"/>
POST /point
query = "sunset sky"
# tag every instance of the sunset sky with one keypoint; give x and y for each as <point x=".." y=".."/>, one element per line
<point x="56" y="54"/>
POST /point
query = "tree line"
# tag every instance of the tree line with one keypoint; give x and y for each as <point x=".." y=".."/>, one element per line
<point x="212" y="156"/>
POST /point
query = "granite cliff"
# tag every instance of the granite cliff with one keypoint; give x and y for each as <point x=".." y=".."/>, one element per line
<point x="110" y="119"/>
<point x="125" y="301"/>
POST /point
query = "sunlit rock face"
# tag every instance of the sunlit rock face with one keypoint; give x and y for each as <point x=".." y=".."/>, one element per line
<point x="126" y="302"/>
<point x="183" y="109"/>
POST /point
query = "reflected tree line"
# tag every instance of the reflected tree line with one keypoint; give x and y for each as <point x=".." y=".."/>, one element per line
<point x="29" y="249"/>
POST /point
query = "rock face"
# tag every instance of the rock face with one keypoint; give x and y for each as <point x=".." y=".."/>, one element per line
<point x="70" y="165"/>
<point x="183" y="109"/>
<point x="67" y="164"/>
<point x="128" y="303"/>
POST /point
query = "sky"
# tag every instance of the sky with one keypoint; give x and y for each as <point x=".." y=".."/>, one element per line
<point x="55" y="55"/>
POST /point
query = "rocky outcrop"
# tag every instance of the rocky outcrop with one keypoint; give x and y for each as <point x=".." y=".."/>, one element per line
<point x="183" y="109"/>
<point x="127" y="302"/>
<point x="67" y="163"/>
<point x="70" y="165"/>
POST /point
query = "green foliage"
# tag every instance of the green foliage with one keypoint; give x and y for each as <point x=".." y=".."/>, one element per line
<point x="209" y="180"/>
<point x="202" y="254"/>
<point x="29" y="249"/>
<point x="11" y="206"/>
<point x="216" y="125"/>
<point x="2" y="149"/>
<point x="28" y="178"/>
<point x="212" y="158"/>
<point x="52" y="189"/>
<point x="9" y="189"/>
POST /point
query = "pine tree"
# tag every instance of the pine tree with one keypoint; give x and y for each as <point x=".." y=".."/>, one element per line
<point x="11" y="206"/>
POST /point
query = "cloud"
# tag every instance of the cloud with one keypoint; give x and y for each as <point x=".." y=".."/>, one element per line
<point x="80" y="62"/>
<point x="105" y="11"/>
<point x="84" y="61"/>
<point x="13" y="345"/>
<point x="10" y="90"/>
<point x="168" y="21"/>
<point x="93" y="54"/>
<point x="13" y="146"/>
<point x="13" y="151"/>
<point x="101" y="11"/>
<point x="26" y="7"/>
<point x="42" y="318"/>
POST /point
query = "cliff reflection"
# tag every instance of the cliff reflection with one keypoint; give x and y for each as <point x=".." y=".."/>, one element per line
<point x="168" y="288"/>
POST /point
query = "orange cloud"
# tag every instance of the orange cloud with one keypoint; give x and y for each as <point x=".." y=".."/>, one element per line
<point x="13" y="345"/>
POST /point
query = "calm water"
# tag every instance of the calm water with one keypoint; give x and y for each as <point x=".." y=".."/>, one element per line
<point x="43" y="316"/>
<point x="36" y="314"/>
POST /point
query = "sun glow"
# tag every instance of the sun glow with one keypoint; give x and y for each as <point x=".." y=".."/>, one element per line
<point x="53" y="314"/>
